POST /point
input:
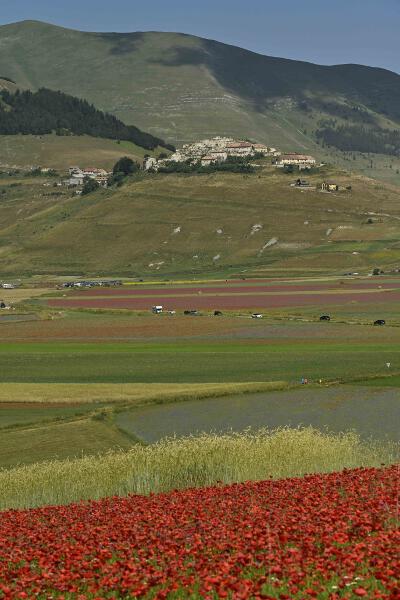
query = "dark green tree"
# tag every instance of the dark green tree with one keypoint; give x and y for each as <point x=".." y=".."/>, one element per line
<point x="89" y="186"/>
<point x="126" y="166"/>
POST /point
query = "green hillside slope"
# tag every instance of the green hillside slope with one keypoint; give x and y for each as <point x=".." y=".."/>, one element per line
<point x="60" y="152"/>
<point x="220" y="223"/>
<point x="182" y="87"/>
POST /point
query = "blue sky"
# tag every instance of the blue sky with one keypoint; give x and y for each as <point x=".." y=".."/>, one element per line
<point x="321" y="31"/>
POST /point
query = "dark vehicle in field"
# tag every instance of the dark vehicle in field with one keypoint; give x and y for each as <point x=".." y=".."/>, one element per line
<point x="324" y="318"/>
<point x="380" y="322"/>
<point x="191" y="312"/>
<point x="217" y="313"/>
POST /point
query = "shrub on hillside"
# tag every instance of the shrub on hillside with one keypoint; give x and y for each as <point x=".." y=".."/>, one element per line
<point x="232" y="165"/>
<point x="126" y="166"/>
<point x="90" y="186"/>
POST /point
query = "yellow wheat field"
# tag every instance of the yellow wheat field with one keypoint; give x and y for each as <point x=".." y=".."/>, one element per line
<point x="190" y="462"/>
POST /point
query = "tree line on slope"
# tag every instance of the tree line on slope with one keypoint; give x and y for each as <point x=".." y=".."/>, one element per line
<point x="360" y="139"/>
<point x="231" y="165"/>
<point x="47" y="111"/>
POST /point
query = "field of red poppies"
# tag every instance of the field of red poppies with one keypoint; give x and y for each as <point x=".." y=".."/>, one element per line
<point x="322" y="536"/>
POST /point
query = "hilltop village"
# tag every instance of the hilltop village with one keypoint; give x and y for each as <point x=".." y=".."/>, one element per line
<point x="219" y="150"/>
<point x="208" y="155"/>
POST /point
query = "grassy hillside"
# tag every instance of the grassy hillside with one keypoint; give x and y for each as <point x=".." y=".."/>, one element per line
<point x="181" y="87"/>
<point x="193" y="224"/>
<point x="58" y="152"/>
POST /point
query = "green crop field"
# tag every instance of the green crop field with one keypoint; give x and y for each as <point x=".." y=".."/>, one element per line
<point x="25" y="414"/>
<point x="59" y="440"/>
<point x="185" y="362"/>
<point x="67" y="382"/>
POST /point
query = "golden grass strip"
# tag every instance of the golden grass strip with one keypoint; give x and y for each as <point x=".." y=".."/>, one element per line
<point x="20" y="294"/>
<point x="190" y="462"/>
<point x="135" y="393"/>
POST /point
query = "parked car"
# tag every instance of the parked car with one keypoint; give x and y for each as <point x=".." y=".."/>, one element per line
<point x="324" y="318"/>
<point x="256" y="316"/>
<point x="380" y="322"/>
<point x="191" y="312"/>
<point x="217" y="313"/>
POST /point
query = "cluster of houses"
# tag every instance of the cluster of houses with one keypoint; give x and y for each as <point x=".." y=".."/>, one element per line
<point x="91" y="284"/>
<point x="8" y="286"/>
<point x="77" y="176"/>
<point x="325" y="186"/>
<point x="293" y="159"/>
<point x="220" y="149"/>
<point x="213" y="151"/>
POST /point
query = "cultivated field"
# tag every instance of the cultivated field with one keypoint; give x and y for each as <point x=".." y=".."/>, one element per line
<point x="372" y="411"/>
<point x="58" y="440"/>
<point x="234" y="296"/>
<point x="207" y="452"/>
<point x="255" y="540"/>
<point x="71" y="375"/>
<point x="188" y="462"/>
<point x="196" y="362"/>
<point x="41" y="422"/>
<point x="73" y="394"/>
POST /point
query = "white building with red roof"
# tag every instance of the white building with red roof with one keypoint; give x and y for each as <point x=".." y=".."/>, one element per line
<point x="296" y="159"/>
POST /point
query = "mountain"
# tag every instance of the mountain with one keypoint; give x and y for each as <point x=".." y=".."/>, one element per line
<point x="180" y="87"/>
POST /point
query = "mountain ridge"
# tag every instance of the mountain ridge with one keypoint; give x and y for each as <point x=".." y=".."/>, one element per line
<point x="182" y="88"/>
<point x="35" y="22"/>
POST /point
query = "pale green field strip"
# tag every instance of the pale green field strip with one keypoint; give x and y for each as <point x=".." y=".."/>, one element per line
<point x="135" y="393"/>
<point x="59" y="440"/>
<point x="70" y="348"/>
<point x="252" y="280"/>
